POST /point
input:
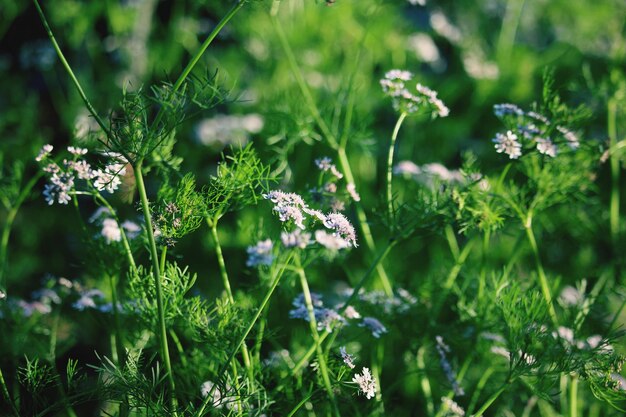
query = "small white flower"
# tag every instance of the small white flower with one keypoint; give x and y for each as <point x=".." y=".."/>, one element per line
<point x="295" y="239"/>
<point x="111" y="231"/>
<point x="342" y="227"/>
<point x="375" y="326"/>
<point x="351" y="313"/>
<point x="330" y="241"/>
<point x="367" y="384"/>
<point x="76" y="150"/>
<point x="44" y="152"/>
<point x="216" y="395"/>
<point x="347" y="358"/>
<point x="507" y="143"/>
<point x="546" y="147"/>
<point x="3" y="295"/>
<point x="352" y="191"/>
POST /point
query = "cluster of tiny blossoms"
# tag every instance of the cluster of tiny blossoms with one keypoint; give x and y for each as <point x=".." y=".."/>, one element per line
<point x="394" y="86"/>
<point x="62" y="177"/>
<point x="330" y="194"/>
<point x="530" y="128"/>
<point x="291" y="208"/>
<point x="365" y="381"/>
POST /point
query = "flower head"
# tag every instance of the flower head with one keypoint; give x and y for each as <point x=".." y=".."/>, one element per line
<point x="260" y="254"/>
<point x="347" y="358"/>
<point x="366" y="382"/>
<point x="507" y="143"/>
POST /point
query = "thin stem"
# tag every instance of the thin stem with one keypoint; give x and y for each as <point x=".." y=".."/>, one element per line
<point x="483" y="266"/>
<point x="224" y="274"/>
<point x="508" y="31"/>
<point x="392" y="146"/>
<point x="355" y="293"/>
<point x="119" y="336"/>
<point x="125" y="242"/>
<point x="491" y="400"/>
<point x="573" y="397"/>
<point x="479" y="387"/>
<point x="7" y="396"/>
<point x="330" y="137"/>
<point x="615" y="174"/>
<point x="196" y="58"/>
<point x="425" y="382"/>
<point x="316" y="337"/>
<point x="8" y="224"/>
<point x="365" y="228"/>
<point x="543" y="280"/>
<point x="67" y="67"/>
<point x="241" y="340"/>
<point x="161" y="331"/>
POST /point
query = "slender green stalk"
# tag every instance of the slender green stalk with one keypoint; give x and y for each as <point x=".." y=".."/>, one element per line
<point x="224" y="274"/>
<point x="316" y="337"/>
<point x="543" y="280"/>
<point x="425" y="382"/>
<point x="264" y="303"/>
<point x="392" y="146"/>
<point x="510" y="23"/>
<point x="67" y="67"/>
<point x="332" y="141"/>
<point x="119" y="335"/>
<point x="615" y="174"/>
<point x="8" y="225"/>
<point x="196" y="58"/>
<point x="125" y="243"/>
<point x="483" y="267"/>
<point x="161" y="331"/>
<point x="479" y="388"/>
<point x="573" y="397"/>
<point x="491" y="400"/>
<point x="355" y="293"/>
<point x="7" y="396"/>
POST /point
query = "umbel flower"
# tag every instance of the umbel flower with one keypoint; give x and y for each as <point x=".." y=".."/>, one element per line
<point x="404" y="101"/>
<point x="366" y="382"/>
<point x="528" y="130"/>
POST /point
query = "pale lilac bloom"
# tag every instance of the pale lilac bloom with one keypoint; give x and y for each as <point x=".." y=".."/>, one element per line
<point x="406" y="168"/>
<point x="572" y="139"/>
<point x="506" y="109"/>
<point x="287" y="213"/>
<point x="366" y="382"/>
<point x="452" y="408"/>
<point x="443" y="349"/>
<point x="507" y="143"/>
<point x="28" y="308"/>
<point x="44" y="152"/>
<point x="131" y="229"/>
<point x="352" y="191"/>
<point x="347" y="358"/>
<point x="373" y="326"/>
<point x="295" y="239"/>
<point x="546" y="147"/>
<point x="330" y="241"/>
<point x="342" y="227"/>
<point x="351" y="313"/>
<point x="111" y="231"/>
<point x="76" y="150"/>
<point x="88" y="300"/>
<point x="260" y="254"/>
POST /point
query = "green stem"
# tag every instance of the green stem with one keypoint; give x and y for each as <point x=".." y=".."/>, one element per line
<point x="543" y="280"/>
<point x="332" y="140"/>
<point x="119" y="336"/>
<point x="8" y="224"/>
<point x="7" y="396"/>
<point x="316" y="337"/>
<point x="490" y="400"/>
<point x="483" y="267"/>
<point x="510" y="23"/>
<point x="365" y="228"/>
<point x="392" y="146"/>
<point x="268" y="295"/>
<point x="479" y="388"/>
<point x="224" y="274"/>
<point x="573" y="397"/>
<point x="125" y="242"/>
<point x="355" y="293"/>
<point x="161" y="331"/>
<point x="67" y="67"/>
<point x="425" y="382"/>
<point x="196" y="58"/>
<point x="615" y="174"/>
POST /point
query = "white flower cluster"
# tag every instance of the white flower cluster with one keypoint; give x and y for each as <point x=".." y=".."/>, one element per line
<point x="326" y="318"/>
<point x="367" y="383"/>
<point x="428" y="174"/>
<point x="62" y="177"/>
<point x="394" y="86"/>
<point x="111" y="230"/>
<point x="219" y="399"/>
<point x="529" y="127"/>
<point x="223" y="130"/>
<point x="292" y="208"/>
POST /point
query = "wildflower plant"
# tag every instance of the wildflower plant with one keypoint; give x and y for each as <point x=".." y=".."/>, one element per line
<point x="236" y="240"/>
